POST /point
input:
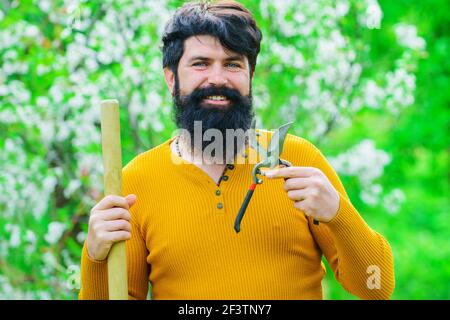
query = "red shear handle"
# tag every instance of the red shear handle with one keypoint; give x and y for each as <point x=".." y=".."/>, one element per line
<point x="237" y="222"/>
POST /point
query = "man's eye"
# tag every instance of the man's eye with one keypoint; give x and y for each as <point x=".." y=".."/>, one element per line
<point x="199" y="64"/>
<point x="233" y="65"/>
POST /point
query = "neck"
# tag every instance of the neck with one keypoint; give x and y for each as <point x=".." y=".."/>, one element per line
<point x="212" y="168"/>
<point x="184" y="150"/>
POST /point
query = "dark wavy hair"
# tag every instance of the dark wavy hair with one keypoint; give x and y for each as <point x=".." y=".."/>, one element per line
<point x="227" y="20"/>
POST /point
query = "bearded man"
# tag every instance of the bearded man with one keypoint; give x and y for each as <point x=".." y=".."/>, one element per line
<point x="182" y="198"/>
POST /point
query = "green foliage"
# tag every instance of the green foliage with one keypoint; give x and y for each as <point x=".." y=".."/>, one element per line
<point x="370" y="92"/>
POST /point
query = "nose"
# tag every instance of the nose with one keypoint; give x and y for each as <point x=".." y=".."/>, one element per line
<point x="217" y="77"/>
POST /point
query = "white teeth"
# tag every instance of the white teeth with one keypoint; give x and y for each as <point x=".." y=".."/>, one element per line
<point x="217" y="98"/>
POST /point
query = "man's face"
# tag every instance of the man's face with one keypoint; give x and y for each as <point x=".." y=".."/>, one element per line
<point x="213" y="86"/>
<point x="206" y="63"/>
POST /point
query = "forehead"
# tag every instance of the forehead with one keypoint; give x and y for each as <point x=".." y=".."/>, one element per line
<point x="208" y="47"/>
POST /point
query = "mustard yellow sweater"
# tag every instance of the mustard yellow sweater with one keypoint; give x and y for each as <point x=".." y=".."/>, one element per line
<point x="184" y="244"/>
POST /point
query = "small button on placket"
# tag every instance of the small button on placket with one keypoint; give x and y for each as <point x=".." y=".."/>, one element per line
<point x="219" y="203"/>
<point x="224" y="178"/>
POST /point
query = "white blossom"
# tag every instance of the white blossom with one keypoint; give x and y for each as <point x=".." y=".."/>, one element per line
<point x="81" y="236"/>
<point x="393" y="201"/>
<point x="44" y="5"/>
<point x="373" y="95"/>
<point x="42" y="102"/>
<point x="363" y="161"/>
<point x="407" y="37"/>
<point x="14" y="231"/>
<point x="55" y="231"/>
<point x="56" y="93"/>
<point x="50" y="263"/>
<point x="30" y="238"/>
<point x="44" y="295"/>
<point x="342" y="8"/>
<point x="31" y="31"/>
<point x="373" y="15"/>
<point x="73" y="186"/>
<point x="371" y="194"/>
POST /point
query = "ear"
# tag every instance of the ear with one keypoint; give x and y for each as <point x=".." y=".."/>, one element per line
<point x="169" y="76"/>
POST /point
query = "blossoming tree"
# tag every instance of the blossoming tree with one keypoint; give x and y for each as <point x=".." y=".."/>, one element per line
<point x="60" y="58"/>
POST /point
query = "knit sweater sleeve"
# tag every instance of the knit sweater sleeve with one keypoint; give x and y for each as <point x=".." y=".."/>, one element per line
<point x="94" y="278"/>
<point x="94" y="274"/>
<point x="360" y="258"/>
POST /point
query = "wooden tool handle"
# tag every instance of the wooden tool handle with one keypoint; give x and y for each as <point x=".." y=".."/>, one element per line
<point x="112" y="164"/>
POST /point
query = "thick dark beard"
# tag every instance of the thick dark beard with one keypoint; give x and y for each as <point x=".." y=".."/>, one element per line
<point x="237" y="115"/>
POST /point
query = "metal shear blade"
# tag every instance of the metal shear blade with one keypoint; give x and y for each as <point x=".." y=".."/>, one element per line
<point x="271" y="158"/>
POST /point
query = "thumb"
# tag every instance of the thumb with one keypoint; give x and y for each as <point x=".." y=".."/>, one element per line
<point x="131" y="199"/>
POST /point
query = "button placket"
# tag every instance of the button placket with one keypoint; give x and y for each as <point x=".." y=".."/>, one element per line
<point x="219" y="203"/>
<point x="218" y="200"/>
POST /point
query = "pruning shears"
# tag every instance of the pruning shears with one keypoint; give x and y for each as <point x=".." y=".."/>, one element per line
<point x="271" y="159"/>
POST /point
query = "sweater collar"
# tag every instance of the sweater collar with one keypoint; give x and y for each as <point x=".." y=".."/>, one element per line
<point x="237" y="172"/>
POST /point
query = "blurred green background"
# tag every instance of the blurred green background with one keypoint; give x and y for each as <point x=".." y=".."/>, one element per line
<point x="366" y="81"/>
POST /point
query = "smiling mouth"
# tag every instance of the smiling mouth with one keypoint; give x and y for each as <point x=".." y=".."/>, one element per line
<point x="217" y="100"/>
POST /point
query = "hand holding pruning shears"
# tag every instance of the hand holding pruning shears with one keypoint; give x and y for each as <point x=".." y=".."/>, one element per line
<point x="310" y="190"/>
<point x="308" y="187"/>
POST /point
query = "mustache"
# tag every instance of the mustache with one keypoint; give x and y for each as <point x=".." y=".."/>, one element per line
<point x="188" y="109"/>
<point x="199" y="94"/>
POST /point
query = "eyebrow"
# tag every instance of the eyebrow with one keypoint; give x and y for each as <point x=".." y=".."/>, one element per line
<point x="230" y="58"/>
